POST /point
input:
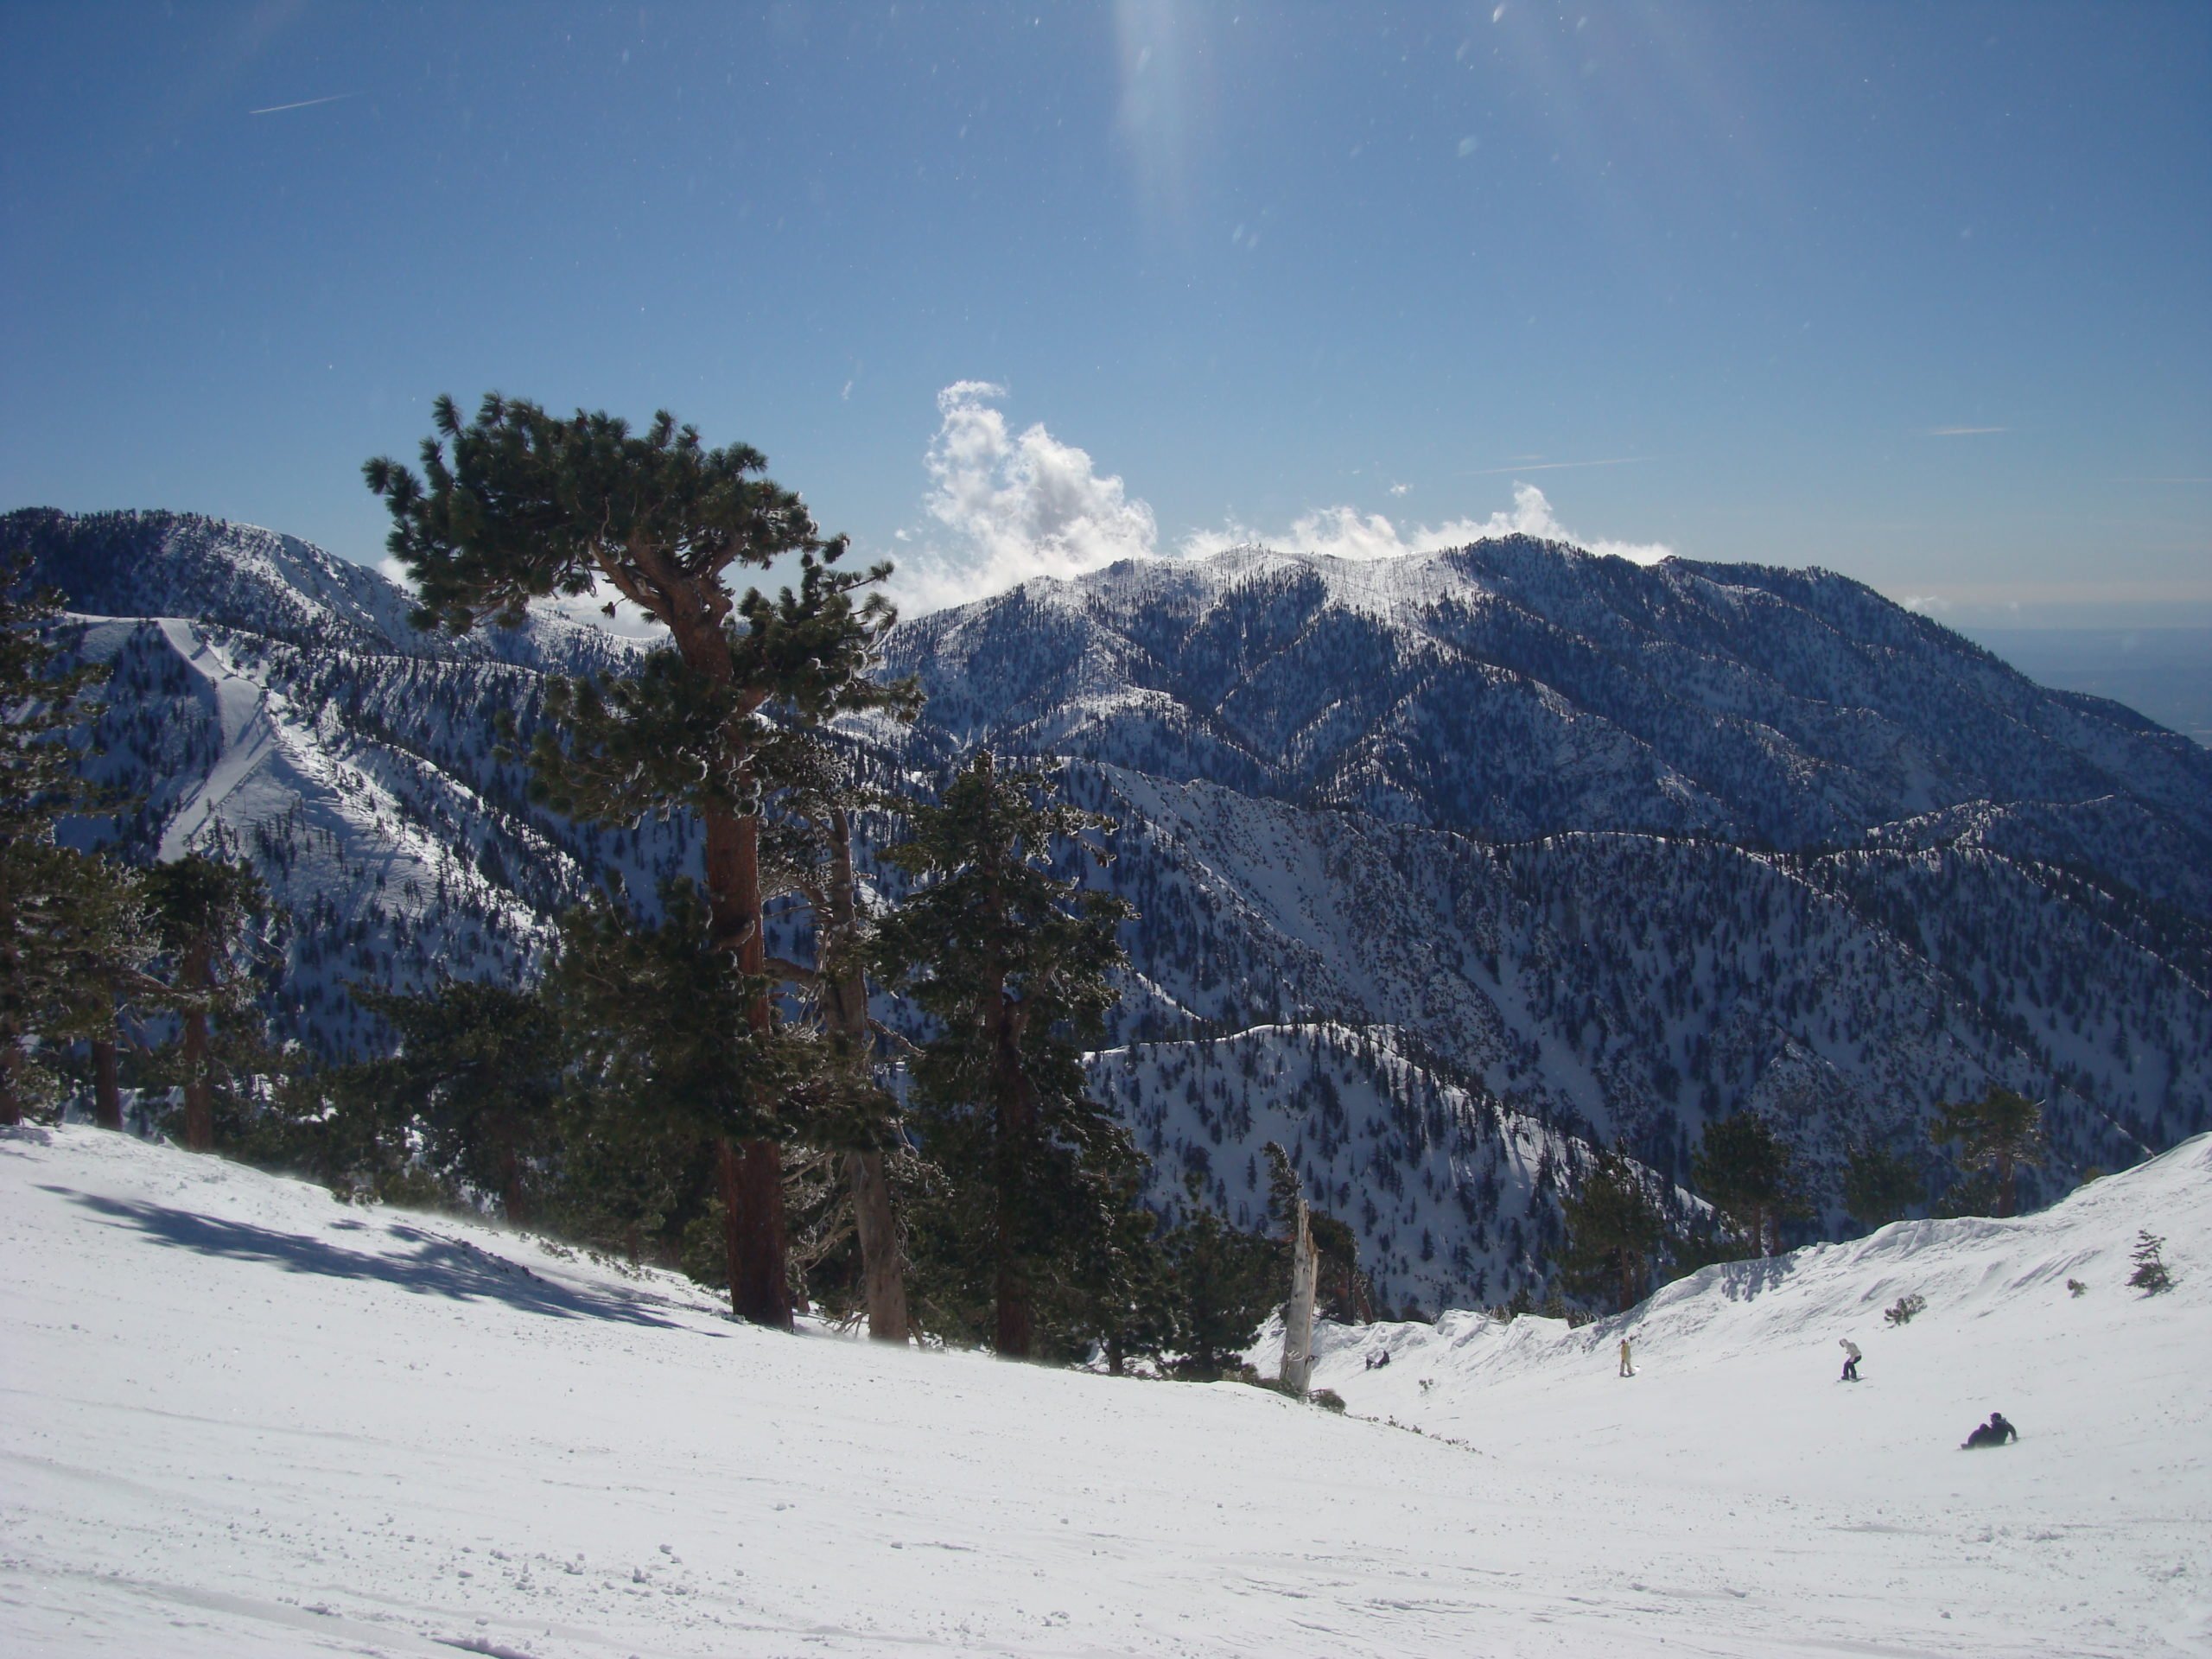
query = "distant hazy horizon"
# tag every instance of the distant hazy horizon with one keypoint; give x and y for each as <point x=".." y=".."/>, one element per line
<point x="2164" y="673"/>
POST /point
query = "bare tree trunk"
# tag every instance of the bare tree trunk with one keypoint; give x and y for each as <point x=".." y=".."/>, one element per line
<point x="2007" y="1172"/>
<point x="883" y="1278"/>
<point x="199" y="1088"/>
<point x="1298" y="1313"/>
<point x="107" y="1091"/>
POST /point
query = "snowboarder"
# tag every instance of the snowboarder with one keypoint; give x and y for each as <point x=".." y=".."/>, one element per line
<point x="1627" y="1369"/>
<point x="1850" y="1359"/>
<point x="1995" y="1432"/>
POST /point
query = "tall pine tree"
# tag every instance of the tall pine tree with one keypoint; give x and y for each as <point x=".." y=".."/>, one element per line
<point x="1879" y="1185"/>
<point x="202" y="906"/>
<point x="476" y="1078"/>
<point x="518" y="504"/>
<point x="1999" y="1132"/>
<point x="1012" y="963"/>
<point x="1613" y="1231"/>
<point x="1747" y="1170"/>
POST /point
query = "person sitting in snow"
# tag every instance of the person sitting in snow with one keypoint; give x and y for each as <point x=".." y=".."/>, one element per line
<point x="1377" y="1362"/>
<point x="1995" y="1432"/>
<point x="1850" y="1359"/>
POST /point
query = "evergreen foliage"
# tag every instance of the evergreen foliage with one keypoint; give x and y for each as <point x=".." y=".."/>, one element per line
<point x="519" y="504"/>
<point x="202" y="905"/>
<point x="1999" y="1133"/>
<point x="476" y="1078"/>
<point x="1880" y="1186"/>
<point x="71" y="925"/>
<point x="1614" y="1230"/>
<point x="1225" y="1282"/>
<point x="1748" y="1173"/>
<point x="1012" y="965"/>
<point x="2150" y="1275"/>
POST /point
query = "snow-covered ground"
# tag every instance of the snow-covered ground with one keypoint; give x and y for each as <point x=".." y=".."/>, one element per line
<point x="243" y="1419"/>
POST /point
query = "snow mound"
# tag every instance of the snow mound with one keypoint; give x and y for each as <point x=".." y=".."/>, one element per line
<point x="243" y="1419"/>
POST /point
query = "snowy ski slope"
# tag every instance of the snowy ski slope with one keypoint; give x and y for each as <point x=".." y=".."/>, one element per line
<point x="242" y="1419"/>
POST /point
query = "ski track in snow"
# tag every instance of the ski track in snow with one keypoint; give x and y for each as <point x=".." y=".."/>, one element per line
<point x="243" y="1419"/>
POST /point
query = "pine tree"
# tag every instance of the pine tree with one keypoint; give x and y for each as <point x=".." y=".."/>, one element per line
<point x="2150" y="1275"/>
<point x="72" y="927"/>
<point x="1013" y="965"/>
<point x="1613" y="1231"/>
<point x="475" y="1081"/>
<point x="655" y="1018"/>
<point x="1999" y="1132"/>
<point x="202" y="906"/>
<point x="1747" y="1172"/>
<point x="1879" y="1185"/>
<point x="526" y="506"/>
<point x="1226" y="1281"/>
<point x="808" y="847"/>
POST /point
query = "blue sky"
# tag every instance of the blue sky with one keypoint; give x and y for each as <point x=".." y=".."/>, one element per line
<point x="1922" y="294"/>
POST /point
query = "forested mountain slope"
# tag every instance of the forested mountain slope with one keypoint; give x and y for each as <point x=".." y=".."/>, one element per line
<point x="1511" y="851"/>
<point x="1517" y="687"/>
<point x="270" y="699"/>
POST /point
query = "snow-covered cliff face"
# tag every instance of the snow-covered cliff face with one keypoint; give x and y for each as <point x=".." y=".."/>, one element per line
<point x="1513" y="849"/>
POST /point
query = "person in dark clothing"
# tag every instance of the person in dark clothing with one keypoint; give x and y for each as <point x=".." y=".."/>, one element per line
<point x="1995" y="1432"/>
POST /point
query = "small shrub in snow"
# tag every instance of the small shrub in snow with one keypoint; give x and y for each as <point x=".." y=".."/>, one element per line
<point x="2150" y="1276"/>
<point x="1901" y="1311"/>
<point x="1328" y="1400"/>
<point x="2075" y="1287"/>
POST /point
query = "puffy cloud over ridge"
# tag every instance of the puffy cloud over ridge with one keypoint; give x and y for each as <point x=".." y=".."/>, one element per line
<point x="1347" y="533"/>
<point x="1008" y="507"/>
<point x="1019" y="504"/>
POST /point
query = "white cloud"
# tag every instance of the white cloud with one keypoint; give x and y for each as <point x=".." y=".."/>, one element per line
<point x="1010" y="506"/>
<point x="1347" y="533"/>
<point x="1926" y="604"/>
<point x="1017" y="506"/>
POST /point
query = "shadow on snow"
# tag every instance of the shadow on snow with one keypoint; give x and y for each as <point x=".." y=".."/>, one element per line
<point x="436" y="1266"/>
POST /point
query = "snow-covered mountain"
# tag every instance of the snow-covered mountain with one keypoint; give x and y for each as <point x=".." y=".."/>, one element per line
<point x="268" y="698"/>
<point x="1504" y="852"/>
<point x="1517" y="687"/>
<point x="1621" y="848"/>
<point x="243" y="1420"/>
